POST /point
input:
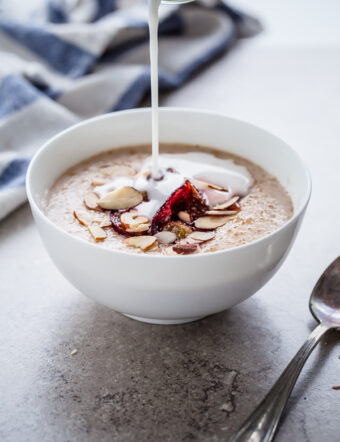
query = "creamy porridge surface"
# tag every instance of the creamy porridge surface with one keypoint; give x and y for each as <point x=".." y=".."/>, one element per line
<point x="264" y="209"/>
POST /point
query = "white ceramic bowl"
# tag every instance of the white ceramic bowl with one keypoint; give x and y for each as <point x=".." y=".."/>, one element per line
<point x="167" y="289"/>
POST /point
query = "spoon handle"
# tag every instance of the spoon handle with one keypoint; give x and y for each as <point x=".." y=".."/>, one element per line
<point x="262" y="423"/>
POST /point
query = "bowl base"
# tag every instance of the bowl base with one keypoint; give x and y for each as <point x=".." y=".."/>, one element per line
<point x="164" y="321"/>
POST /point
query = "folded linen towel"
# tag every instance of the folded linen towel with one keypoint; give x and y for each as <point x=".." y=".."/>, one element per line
<point x="74" y="59"/>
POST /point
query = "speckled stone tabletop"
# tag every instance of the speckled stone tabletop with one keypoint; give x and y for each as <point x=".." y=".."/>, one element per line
<point x="71" y="370"/>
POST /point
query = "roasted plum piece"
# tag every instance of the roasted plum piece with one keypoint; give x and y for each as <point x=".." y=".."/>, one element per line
<point x="186" y="198"/>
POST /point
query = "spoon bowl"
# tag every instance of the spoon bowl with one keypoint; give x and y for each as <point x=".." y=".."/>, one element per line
<point x="324" y="302"/>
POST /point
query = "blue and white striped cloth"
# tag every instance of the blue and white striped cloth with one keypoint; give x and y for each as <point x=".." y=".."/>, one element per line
<point x="70" y="60"/>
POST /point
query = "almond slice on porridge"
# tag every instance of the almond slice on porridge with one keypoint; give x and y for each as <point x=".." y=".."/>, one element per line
<point x="140" y="242"/>
<point x="91" y="201"/>
<point x="83" y="217"/>
<point x="213" y="186"/>
<point x="222" y="206"/>
<point x="97" y="233"/>
<point x="198" y="183"/>
<point x="117" y="170"/>
<point x="203" y="185"/>
<point x="211" y="222"/>
<point x="105" y="223"/>
<point x="201" y="237"/>
<point x="124" y="198"/>
<point x="132" y="218"/>
<point x="138" y="228"/>
<point x="134" y="223"/>
<point x="184" y="216"/>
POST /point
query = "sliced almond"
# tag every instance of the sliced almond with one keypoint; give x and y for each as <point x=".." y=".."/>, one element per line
<point x="166" y="237"/>
<point x="132" y="218"/>
<point x="134" y="223"/>
<point x="138" y="228"/>
<point x="222" y="206"/>
<point x="105" y="223"/>
<point x="201" y="236"/>
<point x="185" y="249"/>
<point x="184" y="216"/>
<point x="211" y="222"/>
<point x="213" y="186"/>
<point x="199" y="184"/>
<point x="221" y="212"/>
<point x="117" y="170"/>
<point x="140" y="242"/>
<point x="203" y="185"/>
<point x="123" y="198"/>
<point x="97" y="181"/>
<point x="97" y="233"/>
<point x="83" y="217"/>
<point x="91" y="200"/>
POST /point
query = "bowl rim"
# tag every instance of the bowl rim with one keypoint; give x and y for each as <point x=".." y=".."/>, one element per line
<point x="242" y="247"/>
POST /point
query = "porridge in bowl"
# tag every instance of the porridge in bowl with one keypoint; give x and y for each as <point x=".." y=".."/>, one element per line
<point x="203" y="200"/>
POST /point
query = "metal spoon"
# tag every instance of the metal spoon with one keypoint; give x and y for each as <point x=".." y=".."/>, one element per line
<point x="324" y="305"/>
